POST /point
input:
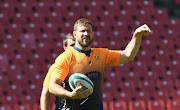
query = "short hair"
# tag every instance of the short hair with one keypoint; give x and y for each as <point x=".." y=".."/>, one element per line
<point x="66" y="37"/>
<point x="82" y="21"/>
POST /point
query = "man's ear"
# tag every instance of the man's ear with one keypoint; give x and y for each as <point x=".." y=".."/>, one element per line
<point x="93" y="35"/>
<point x="64" y="47"/>
<point x="74" y="33"/>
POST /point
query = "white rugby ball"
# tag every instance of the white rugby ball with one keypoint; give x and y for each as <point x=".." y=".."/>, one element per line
<point x="77" y="79"/>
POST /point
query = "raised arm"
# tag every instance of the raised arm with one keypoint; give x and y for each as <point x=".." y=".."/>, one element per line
<point x="132" y="48"/>
<point x="56" y="89"/>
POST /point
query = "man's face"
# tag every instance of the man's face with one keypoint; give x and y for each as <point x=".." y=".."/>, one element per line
<point x="70" y="43"/>
<point x="84" y="35"/>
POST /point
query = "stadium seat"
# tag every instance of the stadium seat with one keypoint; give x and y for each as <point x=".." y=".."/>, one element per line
<point x="137" y="105"/>
<point x="105" y="105"/>
<point x="161" y="94"/>
<point x="176" y="83"/>
<point x="36" y="106"/>
<point x="123" y="95"/>
<point x="168" y="74"/>
<point x="22" y="107"/>
<point x="107" y="96"/>
<point x="173" y="104"/>
<point x="156" y="105"/>
<point x="111" y="76"/>
<point x="6" y="107"/>
<point x="141" y="94"/>
<point x="10" y="99"/>
<point x="165" y="84"/>
<point x="175" y="93"/>
<point x="4" y="83"/>
<point x="3" y="61"/>
<point x="109" y="86"/>
<point x="147" y="85"/>
<point x="30" y="99"/>
<point x="118" y="105"/>
<point x="127" y="85"/>
<point x="151" y="74"/>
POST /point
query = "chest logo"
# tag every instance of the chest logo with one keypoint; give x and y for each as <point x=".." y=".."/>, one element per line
<point x="94" y="75"/>
<point x="79" y="61"/>
<point x="97" y="57"/>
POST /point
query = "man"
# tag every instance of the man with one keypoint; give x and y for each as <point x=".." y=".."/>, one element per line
<point x="91" y="62"/>
<point x="68" y="42"/>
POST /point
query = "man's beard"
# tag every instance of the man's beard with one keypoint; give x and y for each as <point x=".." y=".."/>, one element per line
<point x="85" y="44"/>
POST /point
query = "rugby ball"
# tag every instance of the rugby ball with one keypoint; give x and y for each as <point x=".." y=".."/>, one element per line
<point x="78" y="79"/>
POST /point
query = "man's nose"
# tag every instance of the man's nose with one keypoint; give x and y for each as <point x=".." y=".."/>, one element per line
<point x="85" y="33"/>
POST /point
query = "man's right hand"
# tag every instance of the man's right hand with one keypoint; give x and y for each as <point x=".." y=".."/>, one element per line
<point x="56" y="89"/>
<point x="79" y="94"/>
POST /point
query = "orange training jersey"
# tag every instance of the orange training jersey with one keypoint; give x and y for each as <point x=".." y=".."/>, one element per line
<point x="93" y="64"/>
<point x="48" y="76"/>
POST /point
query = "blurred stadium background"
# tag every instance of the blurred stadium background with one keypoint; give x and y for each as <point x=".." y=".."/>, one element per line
<point x="31" y="34"/>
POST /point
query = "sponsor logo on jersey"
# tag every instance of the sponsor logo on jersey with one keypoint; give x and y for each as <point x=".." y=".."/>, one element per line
<point x="79" y="61"/>
<point x="93" y="75"/>
<point x="97" y="57"/>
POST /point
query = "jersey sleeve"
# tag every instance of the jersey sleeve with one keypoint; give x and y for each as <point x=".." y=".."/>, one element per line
<point x="48" y="76"/>
<point x="61" y="65"/>
<point x="113" y="57"/>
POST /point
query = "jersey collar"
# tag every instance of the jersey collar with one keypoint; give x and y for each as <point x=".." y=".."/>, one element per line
<point x="87" y="53"/>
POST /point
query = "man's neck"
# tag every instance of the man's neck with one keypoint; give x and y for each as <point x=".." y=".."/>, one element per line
<point x="83" y="48"/>
<point x="86" y="52"/>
